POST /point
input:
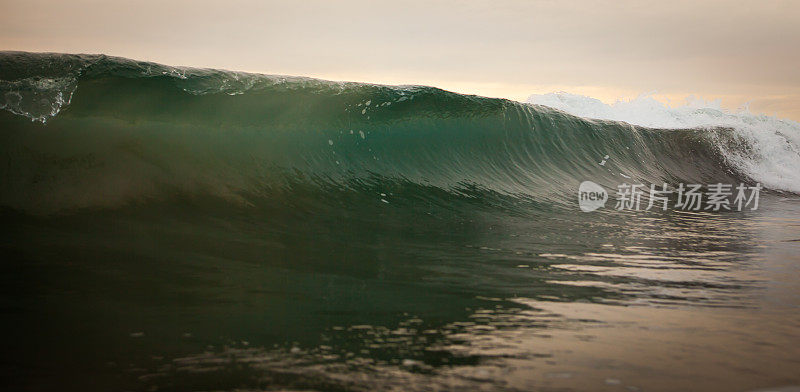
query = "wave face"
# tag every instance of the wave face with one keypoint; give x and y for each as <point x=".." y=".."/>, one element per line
<point x="91" y="131"/>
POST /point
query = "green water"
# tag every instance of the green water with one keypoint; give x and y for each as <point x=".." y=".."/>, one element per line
<point x="176" y="229"/>
<point x="400" y="297"/>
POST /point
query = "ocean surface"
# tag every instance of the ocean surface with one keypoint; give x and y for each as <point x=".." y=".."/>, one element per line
<point x="180" y="229"/>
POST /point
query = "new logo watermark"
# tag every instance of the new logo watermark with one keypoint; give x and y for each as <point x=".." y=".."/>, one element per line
<point x="591" y="196"/>
<point x="688" y="197"/>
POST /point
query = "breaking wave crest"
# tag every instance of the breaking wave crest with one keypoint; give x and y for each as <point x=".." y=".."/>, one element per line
<point x="768" y="148"/>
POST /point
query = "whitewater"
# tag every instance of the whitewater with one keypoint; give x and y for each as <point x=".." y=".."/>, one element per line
<point x="774" y="156"/>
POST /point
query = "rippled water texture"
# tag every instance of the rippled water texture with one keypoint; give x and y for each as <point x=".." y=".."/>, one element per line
<point x="388" y="299"/>
<point x="176" y="229"/>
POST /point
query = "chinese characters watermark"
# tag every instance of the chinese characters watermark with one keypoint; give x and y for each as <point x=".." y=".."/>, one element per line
<point x="687" y="197"/>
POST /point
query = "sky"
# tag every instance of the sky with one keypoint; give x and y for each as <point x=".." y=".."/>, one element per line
<point x="738" y="52"/>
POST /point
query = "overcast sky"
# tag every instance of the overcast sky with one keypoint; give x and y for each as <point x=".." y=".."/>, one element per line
<point x="736" y="51"/>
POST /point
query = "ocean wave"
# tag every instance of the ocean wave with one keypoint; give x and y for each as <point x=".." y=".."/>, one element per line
<point x="101" y="132"/>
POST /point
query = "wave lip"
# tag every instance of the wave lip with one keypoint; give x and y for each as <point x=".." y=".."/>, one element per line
<point x="765" y="148"/>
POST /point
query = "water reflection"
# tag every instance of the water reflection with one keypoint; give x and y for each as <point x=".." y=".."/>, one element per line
<point x="393" y="299"/>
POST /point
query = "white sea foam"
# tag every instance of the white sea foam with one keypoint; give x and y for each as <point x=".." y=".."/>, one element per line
<point x="773" y="156"/>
